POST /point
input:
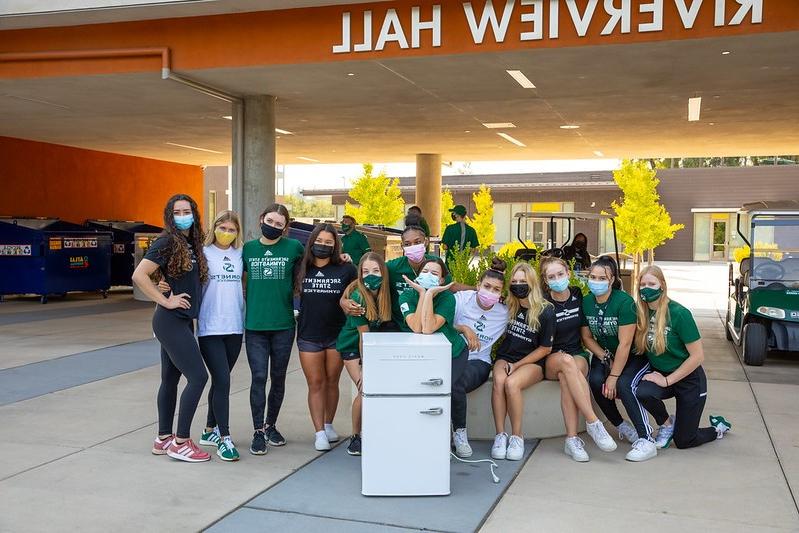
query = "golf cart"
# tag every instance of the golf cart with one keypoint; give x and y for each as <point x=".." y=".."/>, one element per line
<point x="763" y="304"/>
<point x="564" y="222"/>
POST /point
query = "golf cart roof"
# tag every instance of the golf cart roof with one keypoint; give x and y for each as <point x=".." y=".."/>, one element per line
<point x="561" y="215"/>
<point x="775" y="207"/>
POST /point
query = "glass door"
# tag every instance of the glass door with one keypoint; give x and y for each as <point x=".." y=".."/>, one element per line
<point x="718" y="250"/>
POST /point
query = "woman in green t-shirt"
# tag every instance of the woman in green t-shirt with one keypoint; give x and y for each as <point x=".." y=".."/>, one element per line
<point x="667" y="333"/>
<point x="608" y="331"/>
<point x="372" y="293"/>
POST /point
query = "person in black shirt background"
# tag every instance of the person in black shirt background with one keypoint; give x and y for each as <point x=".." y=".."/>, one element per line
<point x="177" y="256"/>
<point x="321" y="280"/>
<point x="578" y="250"/>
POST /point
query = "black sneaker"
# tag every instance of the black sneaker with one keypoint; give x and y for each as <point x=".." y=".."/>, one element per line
<point x="273" y="436"/>
<point x="258" y="446"/>
<point x="354" y="447"/>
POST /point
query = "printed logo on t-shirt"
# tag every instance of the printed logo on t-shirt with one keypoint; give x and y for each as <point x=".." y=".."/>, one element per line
<point x="404" y="307"/>
<point x="268" y="253"/>
<point x="650" y="334"/>
<point x="519" y="328"/>
<point x="263" y="268"/>
<point x="603" y="326"/>
<point x="228" y="267"/>
<point x="567" y="314"/>
<point x="319" y="274"/>
<point x="319" y="284"/>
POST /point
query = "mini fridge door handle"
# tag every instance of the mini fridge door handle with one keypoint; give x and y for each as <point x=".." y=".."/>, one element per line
<point x="433" y="411"/>
<point x="434" y="382"/>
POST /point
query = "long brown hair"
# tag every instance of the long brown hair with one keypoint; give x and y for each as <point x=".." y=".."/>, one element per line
<point x="225" y="216"/>
<point x="662" y="317"/>
<point x="535" y="299"/>
<point x="308" y="257"/>
<point x="380" y="309"/>
<point x="179" y="256"/>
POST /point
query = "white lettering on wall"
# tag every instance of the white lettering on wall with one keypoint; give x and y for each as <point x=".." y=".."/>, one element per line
<point x="554" y="11"/>
<point x="500" y="27"/>
<point x="656" y="8"/>
<point x="755" y="6"/>
<point x="391" y="31"/>
<point x="344" y="47"/>
<point x="688" y="14"/>
<point x="581" y="23"/>
<point x="366" y="45"/>
<point x="536" y="17"/>
<point x="620" y="14"/>
<point x="417" y="26"/>
<point x="718" y="17"/>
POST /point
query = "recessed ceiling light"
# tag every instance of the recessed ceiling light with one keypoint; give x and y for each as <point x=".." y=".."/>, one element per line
<point x="467" y="131"/>
<point x="598" y="153"/>
<point x="712" y="123"/>
<point x="283" y="132"/>
<point x="694" y="108"/>
<point x="228" y="117"/>
<point x="312" y="160"/>
<point x="350" y="74"/>
<point x="570" y="127"/>
<point x="521" y="79"/>
<point x="193" y="148"/>
<point x="508" y="138"/>
<point x="725" y="52"/>
<point x="499" y="125"/>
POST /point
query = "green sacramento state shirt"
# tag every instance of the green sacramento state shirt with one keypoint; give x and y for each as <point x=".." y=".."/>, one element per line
<point x="604" y="320"/>
<point x="270" y="283"/>
<point x="680" y="331"/>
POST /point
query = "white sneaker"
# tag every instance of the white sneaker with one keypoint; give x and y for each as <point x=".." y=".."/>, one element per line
<point x="575" y="448"/>
<point x="500" y="448"/>
<point x="332" y="436"/>
<point x="462" y="448"/>
<point x="600" y="436"/>
<point x="321" y="443"/>
<point x="515" y="448"/>
<point x="627" y="431"/>
<point x="665" y="433"/>
<point x="642" y="450"/>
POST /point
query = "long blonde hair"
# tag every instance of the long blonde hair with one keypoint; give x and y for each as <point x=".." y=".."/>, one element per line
<point x="379" y="310"/>
<point x="535" y="298"/>
<point x="662" y="317"/>
<point x="225" y="216"/>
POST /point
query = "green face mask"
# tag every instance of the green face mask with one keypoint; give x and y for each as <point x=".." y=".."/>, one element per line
<point x="648" y="294"/>
<point x="345" y="228"/>
<point x="372" y="282"/>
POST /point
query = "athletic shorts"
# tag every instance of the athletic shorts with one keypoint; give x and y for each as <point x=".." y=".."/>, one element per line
<point x="350" y="356"/>
<point x="315" y="346"/>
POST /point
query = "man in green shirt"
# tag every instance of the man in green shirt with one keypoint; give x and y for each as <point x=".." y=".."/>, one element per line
<point x="353" y="242"/>
<point x="415" y="218"/>
<point x="460" y="234"/>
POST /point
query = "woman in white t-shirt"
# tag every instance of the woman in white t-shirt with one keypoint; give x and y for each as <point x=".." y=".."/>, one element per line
<point x="482" y="320"/>
<point x="221" y="326"/>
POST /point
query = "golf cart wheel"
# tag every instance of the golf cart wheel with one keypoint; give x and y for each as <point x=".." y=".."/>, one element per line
<point x="755" y="343"/>
<point x="727" y="327"/>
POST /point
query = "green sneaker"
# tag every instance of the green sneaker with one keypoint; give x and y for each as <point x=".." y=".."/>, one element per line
<point x="721" y="425"/>
<point x="211" y="438"/>
<point x="227" y="451"/>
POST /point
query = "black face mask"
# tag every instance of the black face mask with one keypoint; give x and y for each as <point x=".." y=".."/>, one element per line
<point x="270" y="232"/>
<point x="321" y="251"/>
<point x="520" y="290"/>
<point x="580" y="245"/>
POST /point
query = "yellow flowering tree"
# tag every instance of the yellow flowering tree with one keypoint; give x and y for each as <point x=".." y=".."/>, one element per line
<point x="447" y="203"/>
<point x="378" y="198"/>
<point x="483" y="219"/>
<point x="642" y="223"/>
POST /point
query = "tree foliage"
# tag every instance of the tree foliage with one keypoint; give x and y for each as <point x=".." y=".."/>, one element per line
<point x="642" y="223"/>
<point x="483" y="219"/>
<point x="378" y="198"/>
<point x="447" y="203"/>
<point x="300" y="207"/>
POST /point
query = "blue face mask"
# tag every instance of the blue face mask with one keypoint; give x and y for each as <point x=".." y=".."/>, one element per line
<point x="427" y="280"/>
<point x="558" y="285"/>
<point x="184" y="222"/>
<point x="598" y="288"/>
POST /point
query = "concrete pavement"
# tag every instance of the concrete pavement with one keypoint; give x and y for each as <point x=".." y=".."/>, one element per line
<point x="78" y="458"/>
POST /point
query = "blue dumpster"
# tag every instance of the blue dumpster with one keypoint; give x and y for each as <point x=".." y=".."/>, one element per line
<point x="126" y="235"/>
<point x="300" y="231"/>
<point x="47" y="256"/>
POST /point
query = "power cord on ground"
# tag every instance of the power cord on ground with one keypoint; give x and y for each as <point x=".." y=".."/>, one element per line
<point x="492" y="463"/>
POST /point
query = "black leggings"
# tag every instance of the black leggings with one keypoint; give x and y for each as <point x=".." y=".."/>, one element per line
<point x="220" y="353"/>
<point x="691" y="393"/>
<point x="475" y="374"/>
<point x="637" y="366"/>
<point x="180" y="355"/>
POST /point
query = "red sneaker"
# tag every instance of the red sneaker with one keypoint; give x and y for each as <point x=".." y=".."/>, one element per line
<point x="161" y="446"/>
<point x="187" y="451"/>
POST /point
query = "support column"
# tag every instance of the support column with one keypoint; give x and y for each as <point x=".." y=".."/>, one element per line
<point x="253" y="160"/>
<point x="428" y="189"/>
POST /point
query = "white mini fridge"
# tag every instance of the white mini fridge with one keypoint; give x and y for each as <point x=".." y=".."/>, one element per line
<point x="406" y="414"/>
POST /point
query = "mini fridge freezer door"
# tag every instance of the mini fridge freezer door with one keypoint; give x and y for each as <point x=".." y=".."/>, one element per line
<point x="405" y="446"/>
<point x="406" y="363"/>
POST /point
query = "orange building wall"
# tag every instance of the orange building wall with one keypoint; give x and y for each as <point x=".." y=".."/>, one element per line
<point x="42" y="179"/>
